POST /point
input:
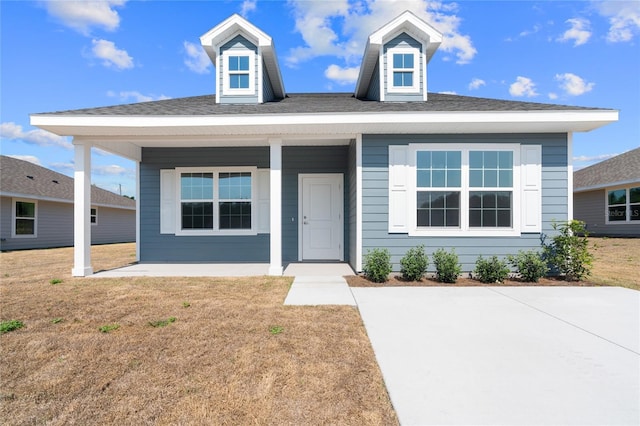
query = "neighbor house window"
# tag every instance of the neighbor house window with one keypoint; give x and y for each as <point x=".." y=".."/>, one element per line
<point x="239" y="75"/>
<point x="24" y="214"/>
<point x="94" y="216"/>
<point x="623" y="205"/>
<point x="216" y="201"/>
<point x="403" y="70"/>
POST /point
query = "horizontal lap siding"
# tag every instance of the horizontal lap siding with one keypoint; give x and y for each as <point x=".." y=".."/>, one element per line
<point x="163" y="247"/>
<point x="309" y="159"/>
<point x="375" y="198"/>
<point x="590" y="207"/>
<point x="114" y="226"/>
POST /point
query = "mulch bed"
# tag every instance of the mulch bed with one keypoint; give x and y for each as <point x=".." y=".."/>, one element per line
<point x="397" y="281"/>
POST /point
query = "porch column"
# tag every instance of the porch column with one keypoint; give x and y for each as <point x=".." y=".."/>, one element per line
<point x="82" y="211"/>
<point x="275" y="207"/>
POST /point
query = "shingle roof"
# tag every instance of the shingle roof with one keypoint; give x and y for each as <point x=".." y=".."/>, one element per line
<point x="623" y="168"/>
<point x="27" y="179"/>
<point x="313" y="103"/>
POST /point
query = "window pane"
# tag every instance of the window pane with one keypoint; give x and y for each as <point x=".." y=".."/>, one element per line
<point x="504" y="218"/>
<point x="244" y="63"/>
<point x="397" y="60"/>
<point x="235" y="215"/>
<point x="505" y="179"/>
<point x="233" y="63"/>
<point x="438" y="179"/>
<point x="24" y="209"/>
<point x="408" y="60"/>
<point x="505" y="159"/>
<point x="634" y="212"/>
<point x="196" y="186"/>
<point x="475" y="159"/>
<point x="488" y="218"/>
<point x="488" y="200"/>
<point x="437" y="217"/>
<point x="618" y="213"/>
<point x="453" y="178"/>
<point x="490" y="159"/>
<point x="490" y="178"/>
<point x="618" y="196"/>
<point x="197" y="215"/>
<point x="439" y="159"/>
<point x="424" y="179"/>
<point x="475" y="218"/>
<point x="490" y="209"/>
<point x="244" y="81"/>
<point x="438" y="209"/>
<point x="454" y="159"/>
<point x="475" y="178"/>
<point x="25" y="226"/>
<point x="634" y="195"/>
<point x="235" y="186"/>
<point x="424" y="159"/>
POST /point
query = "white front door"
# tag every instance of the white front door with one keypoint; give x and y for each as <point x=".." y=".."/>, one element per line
<point x="321" y="217"/>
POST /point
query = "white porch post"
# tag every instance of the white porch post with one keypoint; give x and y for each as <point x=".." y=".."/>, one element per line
<point x="137" y="210"/>
<point x="82" y="211"/>
<point x="570" y="176"/>
<point x="275" y="207"/>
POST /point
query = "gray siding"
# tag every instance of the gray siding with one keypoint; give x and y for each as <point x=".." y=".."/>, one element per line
<point x="156" y="247"/>
<point x="403" y="40"/>
<point x="590" y="207"/>
<point x="55" y="226"/>
<point x="373" y="92"/>
<point x="375" y="198"/>
<point x="300" y="159"/>
<point x="237" y="45"/>
<point x="267" y="88"/>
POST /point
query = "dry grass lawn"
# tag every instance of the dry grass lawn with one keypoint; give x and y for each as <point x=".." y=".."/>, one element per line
<point x="617" y="262"/>
<point x="234" y="355"/>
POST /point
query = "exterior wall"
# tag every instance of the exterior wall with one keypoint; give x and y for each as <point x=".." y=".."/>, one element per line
<point x="156" y="247"/>
<point x="375" y="198"/>
<point x="312" y="159"/>
<point x="373" y="92"/>
<point x="267" y="88"/>
<point x="237" y="45"/>
<point x="403" y="40"/>
<point x="55" y="226"/>
<point x="590" y="207"/>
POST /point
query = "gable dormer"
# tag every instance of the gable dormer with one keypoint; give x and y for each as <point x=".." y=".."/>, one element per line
<point x="247" y="70"/>
<point x="394" y="64"/>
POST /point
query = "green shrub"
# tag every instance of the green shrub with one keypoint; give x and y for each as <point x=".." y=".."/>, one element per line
<point x="529" y="265"/>
<point x="448" y="268"/>
<point x="7" y="326"/>
<point x="414" y="264"/>
<point x="568" y="253"/>
<point x="491" y="270"/>
<point x="377" y="265"/>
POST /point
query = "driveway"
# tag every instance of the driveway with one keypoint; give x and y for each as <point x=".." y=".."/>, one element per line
<point x="507" y="355"/>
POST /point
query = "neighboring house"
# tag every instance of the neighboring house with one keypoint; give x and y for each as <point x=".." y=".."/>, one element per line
<point x="254" y="174"/>
<point x="36" y="209"/>
<point x="606" y="196"/>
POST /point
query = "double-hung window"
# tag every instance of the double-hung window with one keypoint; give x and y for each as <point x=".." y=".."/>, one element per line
<point x="403" y="70"/>
<point x="24" y="219"/>
<point x="490" y="189"/>
<point x="215" y="201"/>
<point x="239" y="75"/>
<point x="623" y="205"/>
<point x="94" y="216"/>
<point x="438" y="188"/>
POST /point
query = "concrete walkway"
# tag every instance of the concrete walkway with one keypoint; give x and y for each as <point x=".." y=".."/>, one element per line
<point x="507" y="355"/>
<point x="319" y="284"/>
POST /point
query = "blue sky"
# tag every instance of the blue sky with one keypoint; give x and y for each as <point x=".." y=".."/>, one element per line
<point x="58" y="55"/>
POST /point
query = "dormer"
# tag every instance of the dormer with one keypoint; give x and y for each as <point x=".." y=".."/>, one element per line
<point x="394" y="65"/>
<point x="247" y="70"/>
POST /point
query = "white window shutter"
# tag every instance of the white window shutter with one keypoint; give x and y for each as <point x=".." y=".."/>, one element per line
<point x="398" y="189"/>
<point x="531" y="187"/>
<point x="168" y="201"/>
<point x="262" y="185"/>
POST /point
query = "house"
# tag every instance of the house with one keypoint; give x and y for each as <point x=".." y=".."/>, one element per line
<point x="606" y="196"/>
<point x="36" y="209"/>
<point x="256" y="174"/>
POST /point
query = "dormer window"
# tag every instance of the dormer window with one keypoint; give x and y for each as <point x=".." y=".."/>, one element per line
<point x="239" y="76"/>
<point x="403" y="70"/>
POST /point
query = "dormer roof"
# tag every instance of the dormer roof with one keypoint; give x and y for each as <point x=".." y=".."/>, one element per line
<point x="237" y="25"/>
<point x="408" y="23"/>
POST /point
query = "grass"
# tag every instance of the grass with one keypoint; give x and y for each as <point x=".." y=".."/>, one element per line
<point x="616" y="262"/>
<point x="235" y="356"/>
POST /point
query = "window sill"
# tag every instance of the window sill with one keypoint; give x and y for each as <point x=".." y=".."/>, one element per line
<point x="465" y="233"/>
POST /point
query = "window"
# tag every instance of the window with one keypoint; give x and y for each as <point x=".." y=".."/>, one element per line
<point x="94" y="216"/>
<point x="215" y="201"/>
<point x="239" y="75"/>
<point x="623" y="205"/>
<point x="24" y="223"/>
<point x="491" y="189"/>
<point x="403" y="67"/>
<point x="438" y="188"/>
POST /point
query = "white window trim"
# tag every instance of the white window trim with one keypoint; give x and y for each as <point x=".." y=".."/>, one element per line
<point x="13" y="218"/>
<point x="464" y="230"/>
<point x="415" y="88"/>
<point x="93" y="215"/>
<point x="628" y="220"/>
<point x="216" y="202"/>
<point x="226" y="81"/>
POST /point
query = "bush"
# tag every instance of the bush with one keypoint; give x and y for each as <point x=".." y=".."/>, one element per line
<point x="377" y="265"/>
<point x="529" y="265"/>
<point x="414" y="264"/>
<point x="491" y="270"/>
<point x="448" y="268"/>
<point x="569" y="253"/>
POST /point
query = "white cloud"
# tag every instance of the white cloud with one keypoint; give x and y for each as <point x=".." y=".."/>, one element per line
<point x="247" y="6"/>
<point x="13" y="131"/>
<point x="110" y="170"/>
<point x="197" y="59"/>
<point x="340" y="28"/>
<point x="579" y="31"/>
<point x="553" y="96"/>
<point x="341" y="75"/>
<point x="30" y="158"/>
<point x="111" y="55"/>
<point x="136" y="96"/>
<point x="593" y="158"/>
<point x="624" y="19"/>
<point x="476" y="83"/>
<point x="523" y="86"/>
<point x="573" y="85"/>
<point x="82" y="15"/>
<point x="448" y="92"/>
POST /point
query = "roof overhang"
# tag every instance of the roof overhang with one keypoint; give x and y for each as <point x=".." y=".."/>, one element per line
<point x="607" y="185"/>
<point x="144" y="131"/>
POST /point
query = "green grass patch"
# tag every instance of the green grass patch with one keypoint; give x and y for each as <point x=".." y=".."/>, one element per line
<point x="276" y="329"/>
<point x="57" y="320"/>
<point x="162" y="323"/>
<point x="108" y="328"/>
<point x="7" y="326"/>
<point x="55" y="281"/>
